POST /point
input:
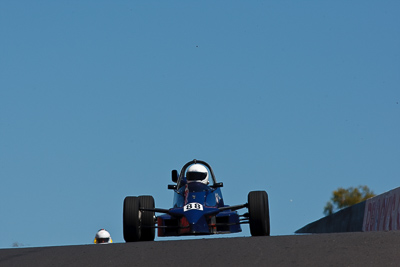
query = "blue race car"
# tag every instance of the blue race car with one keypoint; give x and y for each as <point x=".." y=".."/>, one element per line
<point x="198" y="209"/>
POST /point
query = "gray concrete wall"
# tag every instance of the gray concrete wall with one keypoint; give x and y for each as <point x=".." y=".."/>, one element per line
<point x="380" y="213"/>
<point x="346" y="220"/>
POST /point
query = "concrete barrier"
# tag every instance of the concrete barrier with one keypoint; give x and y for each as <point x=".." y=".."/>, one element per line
<point x="380" y="213"/>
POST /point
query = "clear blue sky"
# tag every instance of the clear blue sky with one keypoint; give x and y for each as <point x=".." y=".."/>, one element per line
<point x="100" y="100"/>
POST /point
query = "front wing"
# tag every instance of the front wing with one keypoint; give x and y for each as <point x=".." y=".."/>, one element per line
<point x="196" y="221"/>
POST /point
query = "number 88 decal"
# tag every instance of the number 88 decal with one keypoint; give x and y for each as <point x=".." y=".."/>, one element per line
<point x="193" y="206"/>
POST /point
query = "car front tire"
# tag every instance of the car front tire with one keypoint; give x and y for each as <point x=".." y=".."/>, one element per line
<point x="131" y="219"/>
<point x="258" y="213"/>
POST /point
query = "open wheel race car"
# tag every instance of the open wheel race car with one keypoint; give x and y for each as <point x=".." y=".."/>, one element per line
<point x="198" y="209"/>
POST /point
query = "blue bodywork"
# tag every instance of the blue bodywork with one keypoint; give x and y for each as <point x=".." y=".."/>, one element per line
<point x="198" y="209"/>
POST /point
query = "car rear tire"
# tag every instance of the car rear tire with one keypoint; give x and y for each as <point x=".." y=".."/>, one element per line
<point x="258" y="213"/>
<point x="147" y="222"/>
<point x="131" y="219"/>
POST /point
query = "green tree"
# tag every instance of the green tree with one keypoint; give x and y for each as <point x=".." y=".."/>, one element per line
<point x="346" y="197"/>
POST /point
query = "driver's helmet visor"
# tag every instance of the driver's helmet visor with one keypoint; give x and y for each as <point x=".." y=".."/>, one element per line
<point x="196" y="176"/>
<point x="103" y="240"/>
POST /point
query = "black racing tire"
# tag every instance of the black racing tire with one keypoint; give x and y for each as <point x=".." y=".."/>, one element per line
<point x="258" y="213"/>
<point x="147" y="223"/>
<point x="131" y="219"/>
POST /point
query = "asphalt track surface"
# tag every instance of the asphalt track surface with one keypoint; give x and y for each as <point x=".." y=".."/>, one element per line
<point x="344" y="249"/>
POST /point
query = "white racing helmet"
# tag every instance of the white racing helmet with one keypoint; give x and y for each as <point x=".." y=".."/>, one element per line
<point x="102" y="237"/>
<point x="197" y="173"/>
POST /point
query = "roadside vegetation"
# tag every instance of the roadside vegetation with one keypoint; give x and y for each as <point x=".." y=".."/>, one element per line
<point x="342" y="198"/>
